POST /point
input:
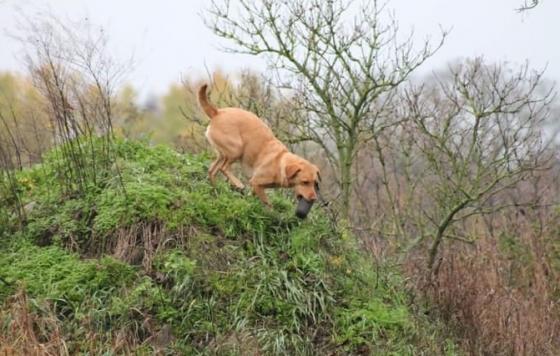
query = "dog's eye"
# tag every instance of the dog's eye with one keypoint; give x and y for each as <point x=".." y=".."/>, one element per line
<point x="305" y="182"/>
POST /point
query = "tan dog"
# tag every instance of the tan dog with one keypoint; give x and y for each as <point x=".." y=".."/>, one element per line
<point x="239" y="135"/>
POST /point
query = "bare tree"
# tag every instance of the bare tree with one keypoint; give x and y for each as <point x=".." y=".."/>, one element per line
<point x="477" y="132"/>
<point x="338" y="58"/>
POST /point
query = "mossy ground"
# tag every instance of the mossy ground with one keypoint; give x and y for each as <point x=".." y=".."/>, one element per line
<point x="171" y="264"/>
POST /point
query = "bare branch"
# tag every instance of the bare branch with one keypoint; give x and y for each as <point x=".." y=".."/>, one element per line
<point x="528" y="5"/>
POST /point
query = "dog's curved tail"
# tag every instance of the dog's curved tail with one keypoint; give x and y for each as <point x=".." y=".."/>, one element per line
<point x="208" y="108"/>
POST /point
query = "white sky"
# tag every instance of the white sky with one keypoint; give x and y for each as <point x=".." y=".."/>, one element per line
<point x="169" y="39"/>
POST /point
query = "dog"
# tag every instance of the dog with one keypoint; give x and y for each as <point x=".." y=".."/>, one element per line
<point x="239" y="135"/>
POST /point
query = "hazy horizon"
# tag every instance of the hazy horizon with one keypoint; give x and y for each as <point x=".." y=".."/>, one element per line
<point x="168" y="40"/>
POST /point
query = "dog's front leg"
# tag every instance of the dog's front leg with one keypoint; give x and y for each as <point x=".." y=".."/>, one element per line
<point x="259" y="191"/>
<point x="258" y="188"/>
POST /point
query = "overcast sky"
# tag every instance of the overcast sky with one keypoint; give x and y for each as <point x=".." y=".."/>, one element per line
<point x="168" y="38"/>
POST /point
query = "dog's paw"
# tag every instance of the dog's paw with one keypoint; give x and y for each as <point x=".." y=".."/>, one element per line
<point x="240" y="190"/>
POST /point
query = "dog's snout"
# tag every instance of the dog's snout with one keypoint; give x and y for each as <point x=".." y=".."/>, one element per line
<point x="309" y="197"/>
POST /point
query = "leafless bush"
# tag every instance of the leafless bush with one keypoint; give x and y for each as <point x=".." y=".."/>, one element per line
<point x="71" y="67"/>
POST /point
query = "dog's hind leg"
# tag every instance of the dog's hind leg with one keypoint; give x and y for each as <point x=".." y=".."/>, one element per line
<point x="214" y="167"/>
<point x="230" y="176"/>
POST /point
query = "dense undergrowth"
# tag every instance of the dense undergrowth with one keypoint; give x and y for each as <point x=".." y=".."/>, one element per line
<point x="152" y="258"/>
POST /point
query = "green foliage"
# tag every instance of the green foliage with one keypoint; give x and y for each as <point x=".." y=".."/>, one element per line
<point x="53" y="273"/>
<point x="228" y="276"/>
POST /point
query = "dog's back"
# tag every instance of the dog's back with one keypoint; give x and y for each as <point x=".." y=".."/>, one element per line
<point x="238" y="134"/>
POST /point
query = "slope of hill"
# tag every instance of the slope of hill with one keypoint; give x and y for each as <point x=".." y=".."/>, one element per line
<point x="171" y="264"/>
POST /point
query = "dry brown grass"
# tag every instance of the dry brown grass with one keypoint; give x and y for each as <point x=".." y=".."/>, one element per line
<point x="138" y="244"/>
<point x="30" y="334"/>
<point x="40" y="332"/>
<point x="499" y="302"/>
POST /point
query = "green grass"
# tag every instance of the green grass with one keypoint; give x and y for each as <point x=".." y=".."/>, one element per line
<point x="220" y="273"/>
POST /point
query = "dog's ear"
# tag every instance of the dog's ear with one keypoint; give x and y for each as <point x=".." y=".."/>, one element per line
<point x="318" y="179"/>
<point x="292" y="170"/>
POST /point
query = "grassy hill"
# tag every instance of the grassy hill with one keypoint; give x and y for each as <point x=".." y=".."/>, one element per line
<point x="171" y="264"/>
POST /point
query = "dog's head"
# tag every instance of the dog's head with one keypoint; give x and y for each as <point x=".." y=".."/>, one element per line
<point x="304" y="177"/>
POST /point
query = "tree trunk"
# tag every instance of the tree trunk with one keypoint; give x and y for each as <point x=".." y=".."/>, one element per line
<point x="345" y="182"/>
